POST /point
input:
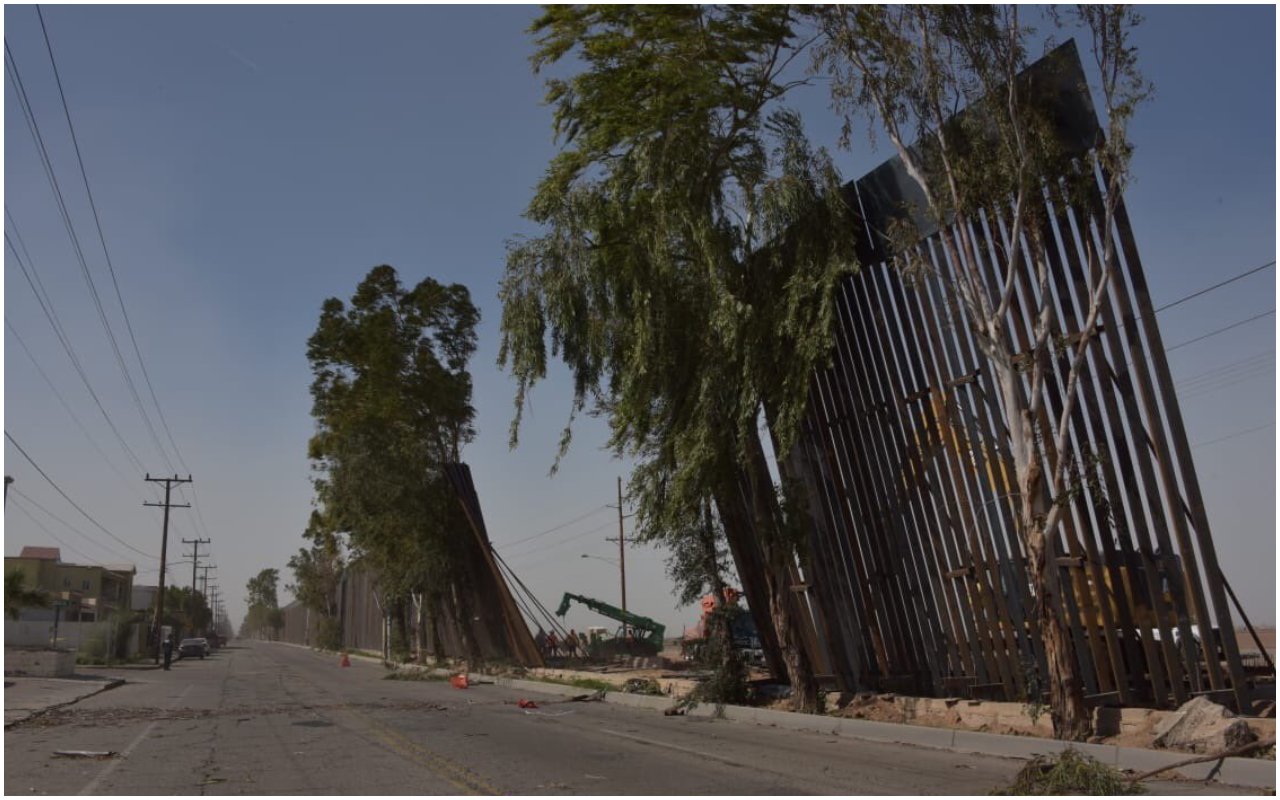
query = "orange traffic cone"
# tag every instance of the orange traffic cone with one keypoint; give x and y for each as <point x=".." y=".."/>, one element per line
<point x="345" y="662"/>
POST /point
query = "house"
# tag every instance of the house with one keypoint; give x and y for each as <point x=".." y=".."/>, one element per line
<point x="79" y="592"/>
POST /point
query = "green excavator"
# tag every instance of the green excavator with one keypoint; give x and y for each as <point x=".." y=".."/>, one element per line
<point x="637" y="635"/>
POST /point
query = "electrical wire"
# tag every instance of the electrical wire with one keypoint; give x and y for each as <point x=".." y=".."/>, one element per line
<point x="1220" y="330"/>
<point x="561" y="526"/>
<point x="102" y="238"/>
<point x="1206" y="290"/>
<point x="1233" y="435"/>
<point x="105" y="548"/>
<point x="51" y="315"/>
<point x="561" y="542"/>
<point x="67" y="497"/>
<point x="48" y="532"/>
<point x="15" y="77"/>
<point x="65" y="405"/>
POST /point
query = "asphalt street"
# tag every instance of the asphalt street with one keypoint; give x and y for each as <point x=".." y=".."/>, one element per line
<point x="262" y="718"/>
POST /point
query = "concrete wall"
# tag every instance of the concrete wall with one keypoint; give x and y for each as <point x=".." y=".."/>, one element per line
<point x="73" y="636"/>
<point x="40" y="663"/>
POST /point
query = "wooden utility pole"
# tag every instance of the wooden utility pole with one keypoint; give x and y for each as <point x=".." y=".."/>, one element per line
<point x="164" y="550"/>
<point x="204" y="579"/>
<point x="195" y="559"/>
<point x="622" y="548"/>
<point x="622" y="552"/>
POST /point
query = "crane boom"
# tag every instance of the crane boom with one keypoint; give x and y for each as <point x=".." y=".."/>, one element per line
<point x="649" y="630"/>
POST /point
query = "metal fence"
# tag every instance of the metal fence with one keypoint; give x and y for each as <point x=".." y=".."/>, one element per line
<point x="914" y="563"/>
<point x="472" y="616"/>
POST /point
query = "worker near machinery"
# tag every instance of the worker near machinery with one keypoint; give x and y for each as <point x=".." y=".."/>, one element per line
<point x="553" y="646"/>
<point x="540" y="641"/>
<point x="571" y="644"/>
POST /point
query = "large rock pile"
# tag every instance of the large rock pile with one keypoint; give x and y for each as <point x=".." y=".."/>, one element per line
<point x="1203" y="726"/>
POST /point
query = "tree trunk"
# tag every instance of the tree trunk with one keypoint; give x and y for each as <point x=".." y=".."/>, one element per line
<point x="463" y="618"/>
<point x="779" y="558"/>
<point x="1071" y="719"/>
<point x="1070" y="715"/>
<point x="749" y="563"/>
<point x="728" y="661"/>
<point x="434" y="643"/>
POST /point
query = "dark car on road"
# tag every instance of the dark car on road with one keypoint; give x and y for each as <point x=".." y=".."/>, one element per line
<point x="193" y="647"/>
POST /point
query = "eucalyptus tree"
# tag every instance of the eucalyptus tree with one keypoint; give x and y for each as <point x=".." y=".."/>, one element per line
<point x="691" y="242"/>
<point x="317" y="579"/>
<point x="910" y="68"/>
<point x="392" y="406"/>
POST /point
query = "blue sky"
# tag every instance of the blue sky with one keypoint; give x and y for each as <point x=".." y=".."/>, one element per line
<point x="248" y="162"/>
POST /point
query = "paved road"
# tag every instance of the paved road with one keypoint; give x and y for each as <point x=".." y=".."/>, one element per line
<point x="261" y="718"/>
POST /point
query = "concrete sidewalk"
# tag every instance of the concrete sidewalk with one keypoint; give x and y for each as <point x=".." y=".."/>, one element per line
<point x="25" y="698"/>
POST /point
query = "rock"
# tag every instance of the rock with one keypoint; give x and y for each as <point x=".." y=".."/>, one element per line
<point x="1203" y="726"/>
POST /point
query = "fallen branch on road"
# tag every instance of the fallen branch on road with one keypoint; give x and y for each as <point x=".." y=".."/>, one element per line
<point x="1232" y="753"/>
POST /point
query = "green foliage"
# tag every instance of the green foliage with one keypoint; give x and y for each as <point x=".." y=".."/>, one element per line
<point x="329" y="633"/>
<point x="392" y="405"/>
<point x="1068" y="773"/>
<point x="727" y="684"/>
<point x="262" y="588"/>
<point x="186" y="610"/>
<point x="317" y="573"/>
<point x="651" y="281"/>
<point x="691" y="244"/>
<point x="17" y="596"/>
<point x="593" y="684"/>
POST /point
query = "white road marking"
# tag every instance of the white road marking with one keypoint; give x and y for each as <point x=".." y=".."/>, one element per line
<point x="128" y="751"/>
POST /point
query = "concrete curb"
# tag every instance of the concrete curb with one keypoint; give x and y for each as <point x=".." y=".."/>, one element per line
<point x="1252" y="773"/>
<point x="108" y="685"/>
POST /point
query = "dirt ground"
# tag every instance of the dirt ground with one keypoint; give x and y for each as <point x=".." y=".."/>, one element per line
<point x="1247" y="644"/>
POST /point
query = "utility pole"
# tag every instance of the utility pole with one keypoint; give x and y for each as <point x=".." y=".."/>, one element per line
<point x="195" y="558"/>
<point x="622" y="550"/>
<point x="164" y="549"/>
<point x="204" y="579"/>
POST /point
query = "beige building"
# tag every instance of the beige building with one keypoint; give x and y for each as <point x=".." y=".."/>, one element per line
<point x="83" y="593"/>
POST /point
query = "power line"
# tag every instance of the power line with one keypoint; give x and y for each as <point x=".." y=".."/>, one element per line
<point x="113" y="553"/>
<point x="558" y="543"/>
<point x="15" y="77"/>
<point x="1217" y="372"/>
<point x="84" y="175"/>
<point x="1233" y="435"/>
<point x="67" y="497"/>
<point x="48" y="532"/>
<point x="1220" y="330"/>
<point x="561" y="526"/>
<point x="1194" y="295"/>
<point x="51" y="315"/>
<point x="34" y="362"/>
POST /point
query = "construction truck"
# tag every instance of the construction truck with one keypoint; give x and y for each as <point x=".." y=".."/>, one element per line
<point x="742" y="630"/>
<point x="637" y="635"/>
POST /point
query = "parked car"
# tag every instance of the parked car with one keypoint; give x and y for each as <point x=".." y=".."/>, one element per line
<point x="194" y="647"/>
